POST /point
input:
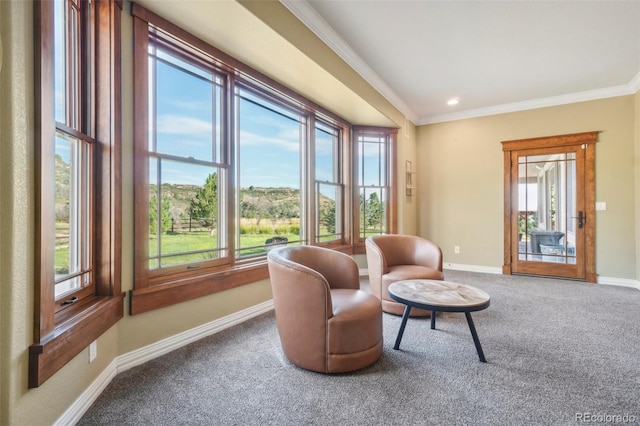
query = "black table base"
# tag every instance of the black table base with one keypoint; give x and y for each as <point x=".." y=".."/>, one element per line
<point x="467" y="314"/>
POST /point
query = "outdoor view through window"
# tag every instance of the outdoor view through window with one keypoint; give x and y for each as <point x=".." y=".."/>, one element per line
<point x="190" y="167"/>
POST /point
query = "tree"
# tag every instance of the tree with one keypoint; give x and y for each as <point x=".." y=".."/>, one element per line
<point x="165" y="215"/>
<point x="204" y="206"/>
<point x="374" y="211"/>
<point x="328" y="218"/>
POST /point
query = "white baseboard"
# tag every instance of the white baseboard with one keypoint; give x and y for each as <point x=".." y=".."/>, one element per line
<point x="161" y="347"/>
<point x="457" y="267"/>
<point x="74" y="413"/>
<point x="622" y="282"/>
<point x="472" y="268"/>
<point x="126" y="361"/>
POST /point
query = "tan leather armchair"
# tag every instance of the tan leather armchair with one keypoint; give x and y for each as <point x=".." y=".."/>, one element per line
<point x="392" y="258"/>
<point x="325" y="322"/>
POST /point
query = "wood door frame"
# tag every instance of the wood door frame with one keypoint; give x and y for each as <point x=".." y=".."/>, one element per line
<point x="587" y="141"/>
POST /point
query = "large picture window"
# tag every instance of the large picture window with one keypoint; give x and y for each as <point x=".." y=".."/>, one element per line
<point x="77" y="164"/>
<point x="229" y="165"/>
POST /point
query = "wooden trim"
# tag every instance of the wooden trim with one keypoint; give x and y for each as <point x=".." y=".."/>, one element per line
<point x="551" y="141"/>
<point x="48" y="356"/>
<point x="392" y="171"/>
<point x="348" y="187"/>
<point x="108" y="153"/>
<point x="140" y="157"/>
<point x="558" y="143"/>
<point x="590" y="209"/>
<point x="182" y="290"/>
<point x="60" y="337"/>
<point x="507" y="187"/>
<point x="44" y="153"/>
<point x="359" y="248"/>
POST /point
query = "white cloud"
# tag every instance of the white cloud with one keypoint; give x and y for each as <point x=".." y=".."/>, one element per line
<point x="183" y="125"/>
<point x="253" y="139"/>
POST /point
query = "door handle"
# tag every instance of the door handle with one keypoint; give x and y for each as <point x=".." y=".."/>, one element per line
<point x="581" y="219"/>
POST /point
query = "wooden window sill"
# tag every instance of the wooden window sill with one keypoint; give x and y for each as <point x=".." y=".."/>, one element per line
<point x="72" y="336"/>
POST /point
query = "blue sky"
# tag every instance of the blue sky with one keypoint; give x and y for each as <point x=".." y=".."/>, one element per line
<point x="185" y="112"/>
<point x="269" y="151"/>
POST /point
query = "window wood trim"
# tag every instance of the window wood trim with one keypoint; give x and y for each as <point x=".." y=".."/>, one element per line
<point x="58" y="338"/>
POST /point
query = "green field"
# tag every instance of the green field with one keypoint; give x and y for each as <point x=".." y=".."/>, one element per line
<point x="175" y="243"/>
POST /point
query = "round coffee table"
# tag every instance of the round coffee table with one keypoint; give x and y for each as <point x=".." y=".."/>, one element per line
<point x="439" y="296"/>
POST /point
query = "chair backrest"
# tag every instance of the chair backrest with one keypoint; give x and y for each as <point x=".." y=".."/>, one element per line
<point x="408" y="250"/>
<point x="338" y="269"/>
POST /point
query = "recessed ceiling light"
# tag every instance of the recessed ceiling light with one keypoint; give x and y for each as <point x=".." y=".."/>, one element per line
<point x="453" y="101"/>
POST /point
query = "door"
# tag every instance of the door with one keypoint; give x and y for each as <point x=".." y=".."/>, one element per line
<point x="549" y="206"/>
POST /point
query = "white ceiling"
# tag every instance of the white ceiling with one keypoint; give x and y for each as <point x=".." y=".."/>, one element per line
<point x="495" y="56"/>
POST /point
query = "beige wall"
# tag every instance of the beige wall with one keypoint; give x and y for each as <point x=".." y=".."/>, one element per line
<point x="461" y="180"/>
<point x="46" y="404"/>
<point x="637" y="168"/>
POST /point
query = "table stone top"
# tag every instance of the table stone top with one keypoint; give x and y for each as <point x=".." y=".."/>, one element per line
<point x="439" y="293"/>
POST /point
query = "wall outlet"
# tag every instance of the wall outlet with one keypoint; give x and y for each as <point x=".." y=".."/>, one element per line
<point x="456" y="249"/>
<point x="93" y="351"/>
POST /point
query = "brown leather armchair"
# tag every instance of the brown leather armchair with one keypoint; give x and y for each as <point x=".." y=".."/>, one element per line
<point x="325" y="322"/>
<point x="392" y="258"/>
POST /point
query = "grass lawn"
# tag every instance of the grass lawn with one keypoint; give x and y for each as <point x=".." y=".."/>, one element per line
<point x="202" y="242"/>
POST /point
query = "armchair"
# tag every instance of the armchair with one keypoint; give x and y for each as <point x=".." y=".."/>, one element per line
<point x="325" y="322"/>
<point x="392" y="258"/>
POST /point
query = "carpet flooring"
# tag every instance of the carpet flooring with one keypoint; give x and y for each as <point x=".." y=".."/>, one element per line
<point x="559" y="352"/>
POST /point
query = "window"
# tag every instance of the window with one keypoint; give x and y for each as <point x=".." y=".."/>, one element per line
<point x="185" y="163"/>
<point x="329" y="189"/>
<point x="376" y="188"/>
<point x="269" y="173"/>
<point x="229" y="165"/>
<point x="78" y="277"/>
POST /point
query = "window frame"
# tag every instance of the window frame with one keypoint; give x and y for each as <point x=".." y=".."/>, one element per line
<point x="340" y="176"/>
<point x="171" y="288"/>
<point x="271" y="100"/>
<point x="390" y="204"/>
<point x="221" y="163"/>
<point x="61" y="334"/>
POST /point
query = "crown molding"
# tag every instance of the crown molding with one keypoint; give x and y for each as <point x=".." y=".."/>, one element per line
<point x="611" y="92"/>
<point x="634" y="85"/>
<point x="312" y="20"/>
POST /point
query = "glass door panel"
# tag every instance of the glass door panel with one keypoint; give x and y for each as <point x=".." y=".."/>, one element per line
<point x="547" y="207"/>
